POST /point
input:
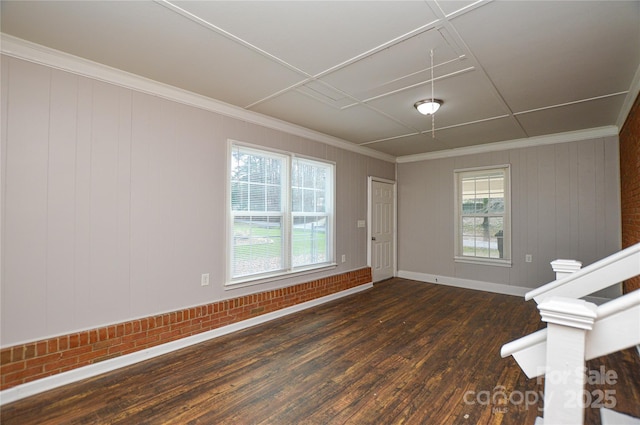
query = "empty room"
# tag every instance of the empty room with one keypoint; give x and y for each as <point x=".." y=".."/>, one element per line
<point x="320" y="212"/>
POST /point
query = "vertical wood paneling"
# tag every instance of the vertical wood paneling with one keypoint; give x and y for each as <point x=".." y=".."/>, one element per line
<point x="359" y="211"/>
<point x="612" y="196"/>
<point x="530" y="190"/>
<point x="516" y="274"/>
<point x="4" y="107"/>
<point x="443" y="225"/>
<point x="143" y="112"/>
<point x="410" y="198"/>
<point x="336" y="155"/>
<point x="123" y="190"/>
<point x="115" y="210"/>
<point x="586" y="202"/>
<point x="82" y="231"/>
<point x="599" y="205"/>
<point x="574" y="182"/>
<point x="105" y="289"/>
<point x="61" y="199"/>
<point x="211" y="151"/>
<point x="25" y="215"/>
<point x="163" y="167"/>
<point x="564" y="205"/>
<point x="546" y="205"/>
<point x="344" y="192"/>
<point x="195" y="214"/>
<point x="563" y="211"/>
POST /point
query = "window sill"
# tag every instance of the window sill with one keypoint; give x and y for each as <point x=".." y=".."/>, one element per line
<point x="484" y="261"/>
<point x="266" y="278"/>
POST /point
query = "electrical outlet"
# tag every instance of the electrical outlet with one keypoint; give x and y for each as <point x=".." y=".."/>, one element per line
<point x="204" y="279"/>
<point x="344" y="258"/>
<point x="528" y="258"/>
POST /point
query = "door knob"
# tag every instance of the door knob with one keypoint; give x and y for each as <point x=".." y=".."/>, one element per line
<point x="373" y="238"/>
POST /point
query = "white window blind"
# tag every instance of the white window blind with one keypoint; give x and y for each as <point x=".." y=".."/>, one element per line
<point x="482" y="215"/>
<point x="281" y="213"/>
<point x="311" y="185"/>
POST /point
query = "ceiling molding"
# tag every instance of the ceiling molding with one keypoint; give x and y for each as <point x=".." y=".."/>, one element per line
<point x="32" y="52"/>
<point x="575" y="102"/>
<point x="571" y="136"/>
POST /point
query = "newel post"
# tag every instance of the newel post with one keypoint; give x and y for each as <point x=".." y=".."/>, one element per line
<point x="568" y="320"/>
<point x="564" y="268"/>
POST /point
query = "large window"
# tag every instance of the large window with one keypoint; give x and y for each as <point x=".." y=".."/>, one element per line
<point x="281" y="213"/>
<point x="483" y="231"/>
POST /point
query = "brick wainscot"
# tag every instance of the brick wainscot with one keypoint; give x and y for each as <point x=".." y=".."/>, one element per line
<point x="35" y="360"/>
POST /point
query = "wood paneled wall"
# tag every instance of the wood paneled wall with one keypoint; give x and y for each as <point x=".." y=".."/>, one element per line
<point x="113" y="202"/>
<point x="565" y="204"/>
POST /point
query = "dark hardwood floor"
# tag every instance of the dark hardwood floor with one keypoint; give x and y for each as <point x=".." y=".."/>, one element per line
<point x="403" y="352"/>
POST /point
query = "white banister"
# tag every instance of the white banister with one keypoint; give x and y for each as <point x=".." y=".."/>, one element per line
<point x="529" y="351"/>
<point x="578" y="331"/>
<point x="599" y="275"/>
<point x="616" y="328"/>
<point x="568" y="322"/>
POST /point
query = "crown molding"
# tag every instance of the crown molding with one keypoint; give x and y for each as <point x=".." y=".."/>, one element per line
<point x="552" y="139"/>
<point x="36" y="53"/>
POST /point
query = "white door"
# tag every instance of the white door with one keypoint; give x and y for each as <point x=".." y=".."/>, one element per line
<point x="382" y="226"/>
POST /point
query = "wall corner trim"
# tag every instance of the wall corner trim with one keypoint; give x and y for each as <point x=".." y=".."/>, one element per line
<point x="632" y="95"/>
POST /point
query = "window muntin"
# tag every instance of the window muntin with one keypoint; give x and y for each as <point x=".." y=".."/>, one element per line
<point x="482" y="215"/>
<point x="281" y="213"/>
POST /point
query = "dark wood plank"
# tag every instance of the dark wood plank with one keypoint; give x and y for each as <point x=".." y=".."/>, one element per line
<point x="402" y="353"/>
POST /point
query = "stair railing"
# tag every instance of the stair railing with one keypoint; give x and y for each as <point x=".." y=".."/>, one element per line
<point x="600" y="275"/>
<point x="578" y="330"/>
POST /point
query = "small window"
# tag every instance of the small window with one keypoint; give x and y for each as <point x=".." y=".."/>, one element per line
<point x="483" y="231"/>
<point x="281" y="213"/>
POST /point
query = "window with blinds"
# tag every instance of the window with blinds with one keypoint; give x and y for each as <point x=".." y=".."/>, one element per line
<point x="281" y="213"/>
<point x="482" y="215"/>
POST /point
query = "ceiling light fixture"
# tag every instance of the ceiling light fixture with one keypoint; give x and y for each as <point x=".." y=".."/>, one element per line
<point x="428" y="106"/>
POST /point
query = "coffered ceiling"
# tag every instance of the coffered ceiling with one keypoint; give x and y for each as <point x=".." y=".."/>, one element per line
<point x="505" y="70"/>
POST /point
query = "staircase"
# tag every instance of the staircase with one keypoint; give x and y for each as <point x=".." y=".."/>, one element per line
<point x="577" y="331"/>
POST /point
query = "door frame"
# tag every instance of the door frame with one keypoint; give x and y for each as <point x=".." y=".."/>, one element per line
<point x="394" y="255"/>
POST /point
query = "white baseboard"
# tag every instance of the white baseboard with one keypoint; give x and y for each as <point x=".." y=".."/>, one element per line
<point x="478" y="285"/>
<point x="31" y="388"/>
<point x="498" y="288"/>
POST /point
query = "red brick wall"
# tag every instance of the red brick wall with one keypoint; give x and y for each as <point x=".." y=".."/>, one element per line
<point x="630" y="184"/>
<point x="39" y="359"/>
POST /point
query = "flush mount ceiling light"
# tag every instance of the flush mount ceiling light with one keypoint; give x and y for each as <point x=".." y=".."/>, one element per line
<point x="428" y="106"/>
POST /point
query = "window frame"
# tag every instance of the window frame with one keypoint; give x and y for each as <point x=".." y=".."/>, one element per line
<point x="287" y="269"/>
<point x="506" y="260"/>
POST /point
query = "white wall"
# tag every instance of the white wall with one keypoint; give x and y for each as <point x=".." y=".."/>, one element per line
<point x="565" y="204"/>
<point x="113" y="202"/>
